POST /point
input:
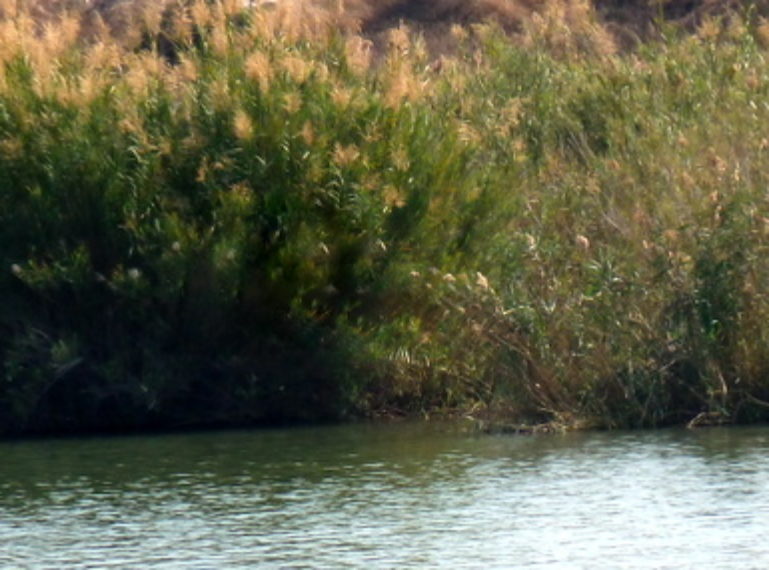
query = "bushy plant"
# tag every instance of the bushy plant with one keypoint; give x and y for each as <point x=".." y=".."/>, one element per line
<point x="247" y="215"/>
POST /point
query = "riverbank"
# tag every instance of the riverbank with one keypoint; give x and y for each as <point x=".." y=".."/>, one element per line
<point x="252" y="217"/>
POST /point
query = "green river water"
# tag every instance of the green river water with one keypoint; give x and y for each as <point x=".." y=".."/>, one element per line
<point x="388" y="496"/>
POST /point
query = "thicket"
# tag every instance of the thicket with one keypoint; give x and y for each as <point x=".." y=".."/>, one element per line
<point x="241" y="219"/>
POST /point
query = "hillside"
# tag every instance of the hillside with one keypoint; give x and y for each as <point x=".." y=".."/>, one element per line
<point x="627" y="21"/>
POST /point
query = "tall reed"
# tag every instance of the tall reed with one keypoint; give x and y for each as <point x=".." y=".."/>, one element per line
<point x="234" y="216"/>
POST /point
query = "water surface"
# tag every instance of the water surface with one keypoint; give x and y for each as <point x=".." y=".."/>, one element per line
<point x="392" y="496"/>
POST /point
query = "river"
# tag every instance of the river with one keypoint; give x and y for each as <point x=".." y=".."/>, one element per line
<point x="388" y="496"/>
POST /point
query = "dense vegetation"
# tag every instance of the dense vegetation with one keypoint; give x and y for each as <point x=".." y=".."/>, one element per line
<point x="243" y="219"/>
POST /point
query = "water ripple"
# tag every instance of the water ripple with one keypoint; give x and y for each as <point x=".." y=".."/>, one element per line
<point x="388" y="497"/>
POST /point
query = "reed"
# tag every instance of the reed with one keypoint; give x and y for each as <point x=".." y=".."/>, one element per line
<point x="238" y="216"/>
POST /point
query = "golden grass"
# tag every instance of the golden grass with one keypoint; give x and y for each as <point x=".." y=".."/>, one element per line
<point x="568" y="26"/>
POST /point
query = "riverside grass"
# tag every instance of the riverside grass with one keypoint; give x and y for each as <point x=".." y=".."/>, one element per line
<point x="251" y="222"/>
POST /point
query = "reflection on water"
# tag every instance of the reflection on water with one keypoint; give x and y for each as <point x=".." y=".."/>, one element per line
<point x="388" y="497"/>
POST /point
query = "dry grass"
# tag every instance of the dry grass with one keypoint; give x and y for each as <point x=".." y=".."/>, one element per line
<point x="564" y="24"/>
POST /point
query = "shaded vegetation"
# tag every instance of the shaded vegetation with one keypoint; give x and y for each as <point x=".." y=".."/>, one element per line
<point x="238" y="219"/>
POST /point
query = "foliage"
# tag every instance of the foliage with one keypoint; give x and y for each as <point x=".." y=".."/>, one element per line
<point x="242" y="219"/>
